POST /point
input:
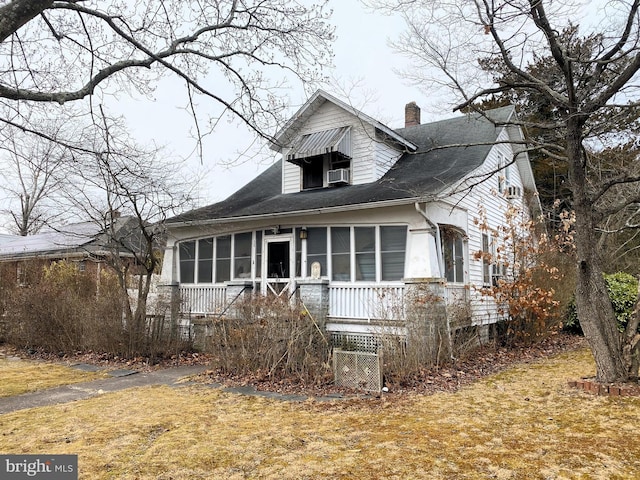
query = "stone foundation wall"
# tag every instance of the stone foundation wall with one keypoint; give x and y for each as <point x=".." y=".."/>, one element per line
<point x="426" y="319"/>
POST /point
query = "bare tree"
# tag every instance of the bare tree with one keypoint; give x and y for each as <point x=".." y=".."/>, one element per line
<point x="592" y="94"/>
<point x="33" y="173"/>
<point x="128" y="192"/>
<point x="238" y="54"/>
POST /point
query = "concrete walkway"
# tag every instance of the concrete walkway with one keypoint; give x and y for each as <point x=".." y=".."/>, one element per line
<point x="121" y="379"/>
<point x="84" y="390"/>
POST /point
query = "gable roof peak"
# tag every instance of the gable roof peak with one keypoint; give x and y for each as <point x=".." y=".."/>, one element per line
<point x="289" y="132"/>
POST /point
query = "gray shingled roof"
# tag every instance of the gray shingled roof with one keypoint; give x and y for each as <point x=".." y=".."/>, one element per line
<point x="78" y="238"/>
<point x="448" y="150"/>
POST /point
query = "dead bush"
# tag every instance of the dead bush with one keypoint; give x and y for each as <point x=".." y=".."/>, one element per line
<point x="530" y="283"/>
<point x="57" y="311"/>
<point x="65" y="310"/>
<point x="271" y="338"/>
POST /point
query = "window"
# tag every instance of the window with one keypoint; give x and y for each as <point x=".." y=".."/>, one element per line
<point x="504" y="174"/>
<point x="205" y="260"/>
<point x="452" y="251"/>
<point x="258" y="253"/>
<point x="312" y="172"/>
<point x="317" y="248"/>
<point x="367" y="254"/>
<point x="365" y="250"/>
<point x="341" y="254"/>
<point x="212" y="259"/>
<point x="223" y="259"/>
<point x="314" y="169"/>
<point x="298" y="240"/>
<point x="486" y="260"/>
<point x="242" y="255"/>
<point x="393" y="241"/>
<point x="501" y="174"/>
<point x="187" y="251"/>
<point x="317" y="153"/>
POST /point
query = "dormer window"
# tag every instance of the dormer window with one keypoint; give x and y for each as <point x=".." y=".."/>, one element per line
<point x="323" y="157"/>
<point x="312" y="170"/>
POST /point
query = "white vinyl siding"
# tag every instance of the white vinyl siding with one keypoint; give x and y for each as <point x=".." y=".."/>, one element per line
<point x="385" y="158"/>
<point x="330" y="116"/>
<point x="485" y="195"/>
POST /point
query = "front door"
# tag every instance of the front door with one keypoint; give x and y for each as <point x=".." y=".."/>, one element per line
<point x="278" y="265"/>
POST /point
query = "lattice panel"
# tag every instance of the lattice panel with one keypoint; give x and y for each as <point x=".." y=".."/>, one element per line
<point x="357" y="370"/>
<point x="354" y="341"/>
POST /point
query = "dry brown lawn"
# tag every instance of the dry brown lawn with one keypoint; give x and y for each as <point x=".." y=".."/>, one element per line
<point x="20" y="376"/>
<point x="524" y="423"/>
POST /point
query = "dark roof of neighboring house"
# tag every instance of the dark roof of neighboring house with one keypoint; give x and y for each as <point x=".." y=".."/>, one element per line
<point x="447" y="151"/>
<point x="77" y="239"/>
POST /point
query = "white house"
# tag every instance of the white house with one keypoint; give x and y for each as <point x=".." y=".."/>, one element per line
<point x="354" y="217"/>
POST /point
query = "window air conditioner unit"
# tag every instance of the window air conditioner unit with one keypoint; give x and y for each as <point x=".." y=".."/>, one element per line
<point x="513" y="191"/>
<point x="338" y="176"/>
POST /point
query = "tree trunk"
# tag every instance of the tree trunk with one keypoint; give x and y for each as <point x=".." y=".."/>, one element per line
<point x="593" y="306"/>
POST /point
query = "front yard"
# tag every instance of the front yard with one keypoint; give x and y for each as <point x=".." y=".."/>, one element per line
<point x="22" y="377"/>
<point x="522" y="423"/>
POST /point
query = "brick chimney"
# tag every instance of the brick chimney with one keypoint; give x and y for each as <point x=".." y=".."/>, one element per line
<point x="411" y="114"/>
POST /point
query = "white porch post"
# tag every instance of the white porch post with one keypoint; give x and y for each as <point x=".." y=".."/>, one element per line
<point x="168" y="294"/>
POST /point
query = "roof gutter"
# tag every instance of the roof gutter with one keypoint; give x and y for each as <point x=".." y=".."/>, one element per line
<point x="73" y="255"/>
<point x="313" y="211"/>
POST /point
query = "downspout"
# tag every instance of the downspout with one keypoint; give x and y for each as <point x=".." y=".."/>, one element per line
<point x="436" y="228"/>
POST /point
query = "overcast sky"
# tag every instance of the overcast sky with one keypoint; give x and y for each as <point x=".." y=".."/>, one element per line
<point x="364" y="70"/>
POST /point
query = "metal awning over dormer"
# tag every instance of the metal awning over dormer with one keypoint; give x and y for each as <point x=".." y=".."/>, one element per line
<point x="319" y="143"/>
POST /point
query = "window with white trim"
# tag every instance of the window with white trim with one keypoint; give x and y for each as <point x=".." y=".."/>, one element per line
<point x="187" y="263"/>
<point x="365" y="252"/>
<point x="242" y="255"/>
<point x="368" y="253"/>
<point x="501" y="182"/>
<point x="205" y="260"/>
<point x="486" y="260"/>
<point x="453" y="253"/>
<point x="223" y="259"/>
<point x="393" y="245"/>
<point x="317" y="248"/>
<point x="341" y="254"/>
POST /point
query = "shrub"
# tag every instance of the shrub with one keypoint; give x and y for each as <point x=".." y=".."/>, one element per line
<point x="623" y="293"/>
<point x="57" y="312"/>
<point x="530" y="282"/>
<point x="65" y="310"/>
<point x="269" y="337"/>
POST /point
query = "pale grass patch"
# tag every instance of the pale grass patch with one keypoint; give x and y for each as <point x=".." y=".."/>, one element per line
<point x="22" y="376"/>
<point x="523" y="423"/>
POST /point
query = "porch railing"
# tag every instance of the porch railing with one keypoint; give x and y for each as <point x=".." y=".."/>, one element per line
<point x="202" y="300"/>
<point x="381" y="302"/>
<point x="349" y="301"/>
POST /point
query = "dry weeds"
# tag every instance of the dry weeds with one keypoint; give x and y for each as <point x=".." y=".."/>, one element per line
<point x="19" y="376"/>
<point x="522" y="423"/>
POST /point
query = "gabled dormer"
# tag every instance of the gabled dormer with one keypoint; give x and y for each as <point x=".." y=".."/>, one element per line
<point x="329" y="144"/>
<point x="324" y="158"/>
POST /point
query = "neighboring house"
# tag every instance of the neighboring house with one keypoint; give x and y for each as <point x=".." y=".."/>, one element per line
<point x="87" y="244"/>
<point x="356" y="218"/>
